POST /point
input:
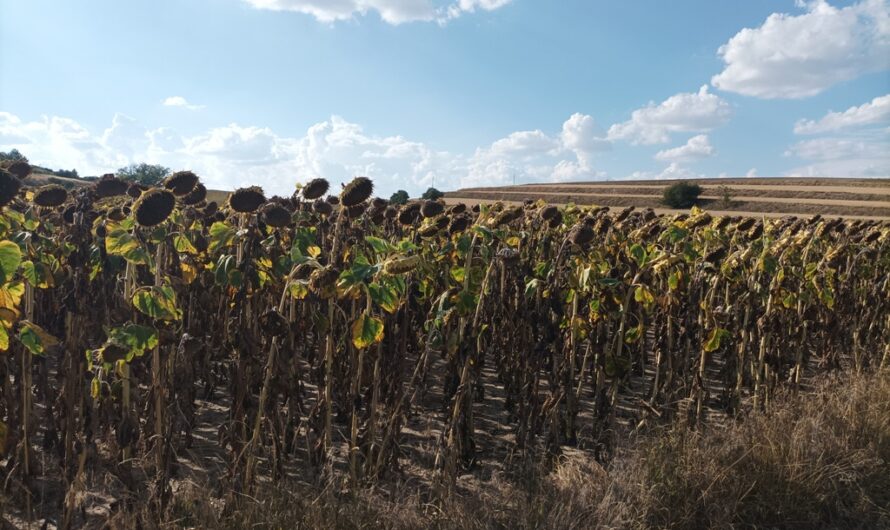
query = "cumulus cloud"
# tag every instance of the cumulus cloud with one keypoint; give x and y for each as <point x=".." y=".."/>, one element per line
<point x="864" y="155"/>
<point x="876" y="111"/>
<point x="674" y="171"/>
<point x="800" y="56"/>
<point x="391" y="11"/>
<point x="696" y="148"/>
<point x="179" y="101"/>
<point x="235" y="155"/>
<point x="685" y="112"/>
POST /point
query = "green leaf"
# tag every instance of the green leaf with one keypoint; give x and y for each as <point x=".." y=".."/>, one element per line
<point x="37" y="274"/>
<point x="384" y="297"/>
<point x="633" y="334"/>
<point x="158" y="302"/>
<point x="644" y="296"/>
<point x="298" y="289"/>
<point x="406" y="245"/>
<point x="10" y="258"/>
<point x="4" y="339"/>
<point x="674" y="280"/>
<point x="674" y="234"/>
<point x="226" y="272"/>
<point x="118" y="242"/>
<point x="638" y="253"/>
<point x="134" y="338"/>
<point x="360" y="271"/>
<point x="380" y="246"/>
<point x="221" y="235"/>
<point x="304" y="238"/>
<point x="183" y="245"/>
<point x="35" y="339"/>
<point x="367" y="330"/>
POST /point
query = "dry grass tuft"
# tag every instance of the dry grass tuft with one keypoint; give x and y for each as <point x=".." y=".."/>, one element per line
<point x="818" y="460"/>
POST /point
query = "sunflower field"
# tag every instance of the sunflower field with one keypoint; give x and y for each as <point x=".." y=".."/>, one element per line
<point x="322" y="325"/>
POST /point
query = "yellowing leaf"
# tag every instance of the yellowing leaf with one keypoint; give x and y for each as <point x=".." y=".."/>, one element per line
<point x="35" y="339"/>
<point x="183" y="244"/>
<point x="10" y="258"/>
<point x="715" y="339"/>
<point x="11" y="295"/>
<point x="298" y="289"/>
<point x="158" y="302"/>
<point x="221" y="235"/>
<point x="118" y="242"/>
<point x="189" y="272"/>
<point x="633" y="334"/>
<point x="367" y="330"/>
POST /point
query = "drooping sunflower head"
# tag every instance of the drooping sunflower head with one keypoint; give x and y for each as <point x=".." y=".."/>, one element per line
<point x="135" y="190"/>
<point x="357" y="191"/>
<point x="322" y="207"/>
<point x="275" y="215"/>
<point x="9" y="187"/>
<point x="548" y="212"/>
<point x="431" y="208"/>
<point x="581" y="235"/>
<point x="247" y="200"/>
<point x="19" y="168"/>
<point x="323" y="282"/>
<point x="110" y="186"/>
<point x="198" y="194"/>
<point x="50" y="195"/>
<point x="409" y="214"/>
<point x="315" y="189"/>
<point x="401" y="265"/>
<point x="458" y="208"/>
<point x="181" y="183"/>
<point x="154" y="207"/>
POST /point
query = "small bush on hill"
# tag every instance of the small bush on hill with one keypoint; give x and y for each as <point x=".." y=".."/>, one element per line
<point x="681" y="195"/>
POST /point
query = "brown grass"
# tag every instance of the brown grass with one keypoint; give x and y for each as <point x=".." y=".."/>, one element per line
<point x="818" y="460"/>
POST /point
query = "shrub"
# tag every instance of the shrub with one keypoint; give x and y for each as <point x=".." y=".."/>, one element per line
<point x="432" y="194"/>
<point x="399" y="197"/>
<point x="681" y="195"/>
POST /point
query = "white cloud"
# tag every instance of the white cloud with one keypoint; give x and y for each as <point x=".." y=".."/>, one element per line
<point x="674" y="171"/>
<point x="696" y="148"/>
<point x="875" y="112"/>
<point x="391" y="11"/>
<point x="235" y="155"/>
<point x="865" y="155"/>
<point x="685" y="112"/>
<point x="800" y="56"/>
<point x="179" y="101"/>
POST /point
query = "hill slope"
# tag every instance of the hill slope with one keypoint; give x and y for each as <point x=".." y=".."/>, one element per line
<point x="865" y="198"/>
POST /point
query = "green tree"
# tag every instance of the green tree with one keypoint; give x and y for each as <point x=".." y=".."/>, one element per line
<point x="13" y="155"/>
<point x="432" y="194"/>
<point x="681" y="195"/>
<point x="148" y="174"/>
<point x="399" y="197"/>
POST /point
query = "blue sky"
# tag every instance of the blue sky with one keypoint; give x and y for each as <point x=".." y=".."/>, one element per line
<point x="460" y="92"/>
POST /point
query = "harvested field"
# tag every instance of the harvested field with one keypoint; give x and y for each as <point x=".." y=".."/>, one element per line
<point x="854" y="198"/>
